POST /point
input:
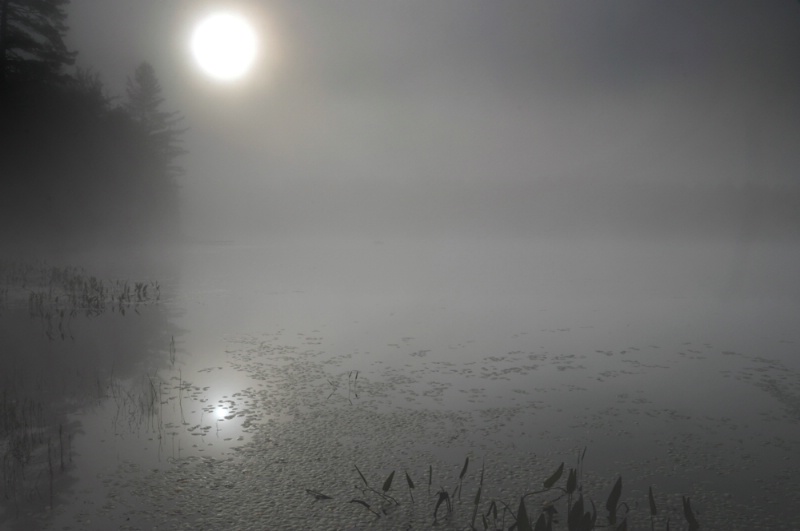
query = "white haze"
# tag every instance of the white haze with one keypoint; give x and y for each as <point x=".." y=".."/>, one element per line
<point x="413" y="119"/>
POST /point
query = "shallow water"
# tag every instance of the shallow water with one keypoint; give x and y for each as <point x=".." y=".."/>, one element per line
<point x="674" y="363"/>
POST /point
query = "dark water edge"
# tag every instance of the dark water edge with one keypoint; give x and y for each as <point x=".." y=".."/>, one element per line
<point x="454" y="359"/>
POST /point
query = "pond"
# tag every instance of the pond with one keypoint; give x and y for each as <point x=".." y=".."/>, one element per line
<point x="244" y="387"/>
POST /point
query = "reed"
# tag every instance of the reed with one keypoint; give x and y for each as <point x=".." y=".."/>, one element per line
<point x="27" y="443"/>
<point x="559" y="491"/>
<point x="56" y="295"/>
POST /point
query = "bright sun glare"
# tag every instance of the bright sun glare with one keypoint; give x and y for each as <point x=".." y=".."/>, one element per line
<point x="224" y="45"/>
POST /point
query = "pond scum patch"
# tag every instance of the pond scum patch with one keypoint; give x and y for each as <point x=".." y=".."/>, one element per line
<point x="335" y="462"/>
<point x="290" y="482"/>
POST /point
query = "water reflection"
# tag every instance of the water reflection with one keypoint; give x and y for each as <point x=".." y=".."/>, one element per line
<point x="269" y="354"/>
<point x="67" y="340"/>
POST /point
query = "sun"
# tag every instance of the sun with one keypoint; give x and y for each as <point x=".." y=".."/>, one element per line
<point x="224" y="46"/>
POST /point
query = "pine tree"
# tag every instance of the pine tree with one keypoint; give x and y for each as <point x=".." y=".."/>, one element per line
<point x="32" y="39"/>
<point x="160" y="127"/>
<point x="159" y="137"/>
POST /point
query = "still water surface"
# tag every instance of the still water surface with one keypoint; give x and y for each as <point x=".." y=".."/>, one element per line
<point x="676" y="364"/>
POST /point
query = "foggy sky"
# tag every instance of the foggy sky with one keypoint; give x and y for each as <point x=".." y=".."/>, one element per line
<point x="402" y="112"/>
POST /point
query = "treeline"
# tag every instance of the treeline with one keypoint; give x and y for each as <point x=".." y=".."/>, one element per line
<point x="76" y="165"/>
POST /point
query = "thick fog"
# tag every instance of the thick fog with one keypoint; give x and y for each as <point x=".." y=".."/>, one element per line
<point x="426" y="119"/>
<point x="412" y="231"/>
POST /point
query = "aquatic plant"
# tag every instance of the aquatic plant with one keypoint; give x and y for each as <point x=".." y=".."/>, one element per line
<point x="56" y="295"/>
<point x="139" y="403"/>
<point x="25" y="433"/>
<point x="580" y="510"/>
<point x="352" y="386"/>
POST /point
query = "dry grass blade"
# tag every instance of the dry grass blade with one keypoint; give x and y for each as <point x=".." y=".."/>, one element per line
<point x="365" y="504"/>
<point x="523" y="522"/>
<point x="318" y="495"/>
<point x="388" y="483"/>
<point x="461" y="477"/>
<point x="478" y="497"/>
<point x="689" y="514"/>
<point x="443" y="498"/>
<point x="464" y="469"/>
<point x="652" y="500"/>
<point x="575" y="514"/>
<point x="492" y="510"/>
<point x="549" y="482"/>
<point x="410" y="486"/>
<point x="572" y="481"/>
<point x="613" y="500"/>
<point x="477" y="504"/>
<point x="362" y="476"/>
<point x="541" y="524"/>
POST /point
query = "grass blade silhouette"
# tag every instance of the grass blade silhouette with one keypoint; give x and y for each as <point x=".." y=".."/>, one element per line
<point x="410" y="486"/>
<point x="613" y="500"/>
<point x="689" y="514"/>
<point x="549" y="482"/>
<point x="523" y="522"/>
<point x="388" y="483"/>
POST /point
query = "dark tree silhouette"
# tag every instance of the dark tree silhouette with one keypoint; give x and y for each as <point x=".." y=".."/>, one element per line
<point x="160" y="127"/>
<point x="32" y="39"/>
<point x="76" y="168"/>
<point x="159" y="137"/>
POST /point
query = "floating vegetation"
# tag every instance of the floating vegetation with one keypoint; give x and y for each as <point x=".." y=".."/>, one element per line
<point x="318" y="461"/>
<point x="407" y="419"/>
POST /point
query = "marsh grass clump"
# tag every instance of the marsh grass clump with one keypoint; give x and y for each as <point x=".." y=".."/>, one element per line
<point x="561" y="504"/>
<point x="35" y="442"/>
<point x="138" y="403"/>
<point x="56" y="295"/>
<point x="32" y="450"/>
<point x="20" y="427"/>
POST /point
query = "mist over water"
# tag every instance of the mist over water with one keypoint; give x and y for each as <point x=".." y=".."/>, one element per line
<point x="409" y="234"/>
<point x="610" y="343"/>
